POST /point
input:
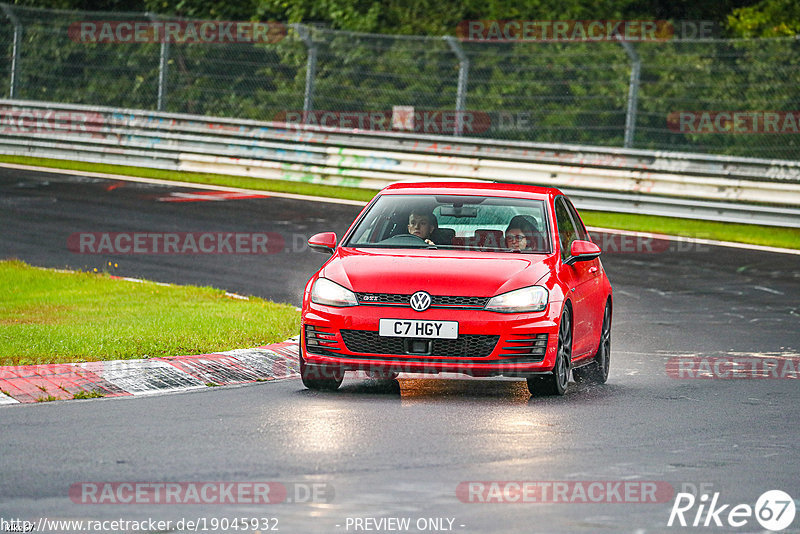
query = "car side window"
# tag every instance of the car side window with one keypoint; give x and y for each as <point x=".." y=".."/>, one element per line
<point x="583" y="235"/>
<point x="566" y="228"/>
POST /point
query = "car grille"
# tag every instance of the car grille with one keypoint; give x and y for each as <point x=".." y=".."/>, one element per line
<point x="532" y="347"/>
<point x="369" y="342"/>
<point x="437" y="301"/>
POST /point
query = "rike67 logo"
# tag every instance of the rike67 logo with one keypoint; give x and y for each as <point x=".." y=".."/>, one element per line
<point x="774" y="510"/>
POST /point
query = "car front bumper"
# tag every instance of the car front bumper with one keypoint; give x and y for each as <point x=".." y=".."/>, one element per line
<point x="524" y="344"/>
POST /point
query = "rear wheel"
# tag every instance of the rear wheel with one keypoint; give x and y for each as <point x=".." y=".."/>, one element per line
<point x="555" y="383"/>
<point x="597" y="371"/>
<point x="320" y="377"/>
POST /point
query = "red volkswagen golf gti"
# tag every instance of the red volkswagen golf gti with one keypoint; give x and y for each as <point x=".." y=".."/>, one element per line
<point x="484" y="279"/>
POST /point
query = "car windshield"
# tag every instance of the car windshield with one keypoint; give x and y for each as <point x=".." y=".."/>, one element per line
<point x="491" y="224"/>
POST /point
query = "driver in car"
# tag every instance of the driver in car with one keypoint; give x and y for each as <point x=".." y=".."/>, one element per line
<point x="422" y="224"/>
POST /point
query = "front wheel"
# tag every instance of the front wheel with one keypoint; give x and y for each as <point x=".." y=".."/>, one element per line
<point x="320" y="377"/>
<point x="597" y="371"/>
<point x="555" y="383"/>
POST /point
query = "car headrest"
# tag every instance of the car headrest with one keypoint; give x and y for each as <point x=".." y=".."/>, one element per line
<point x="489" y="238"/>
<point x="538" y="241"/>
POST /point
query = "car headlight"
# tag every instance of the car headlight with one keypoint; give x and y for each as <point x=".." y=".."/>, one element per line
<point x="332" y="294"/>
<point x="527" y="299"/>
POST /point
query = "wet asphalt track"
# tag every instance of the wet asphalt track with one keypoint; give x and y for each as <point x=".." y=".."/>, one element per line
<point x="401" y="450"/>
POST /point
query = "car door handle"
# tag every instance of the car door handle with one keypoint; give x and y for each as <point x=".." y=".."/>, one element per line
<point x="593" y="269"/>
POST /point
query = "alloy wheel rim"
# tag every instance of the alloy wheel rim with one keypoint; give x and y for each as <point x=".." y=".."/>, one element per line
<point x="606" y="343"/>
<point x="565" y="344"/>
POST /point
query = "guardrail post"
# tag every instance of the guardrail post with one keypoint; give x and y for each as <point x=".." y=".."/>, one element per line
<point x="12" y="90"/>
<point x="311" y="69"/>
<point x="463" y="73"/>
<point x="163" y="63"/>
<point x="633" y="93"/>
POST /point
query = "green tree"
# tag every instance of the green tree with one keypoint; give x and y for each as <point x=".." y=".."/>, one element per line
<point x="768" y="18"/>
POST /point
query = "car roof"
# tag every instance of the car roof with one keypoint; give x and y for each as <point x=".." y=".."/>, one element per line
<point x="477" y="188"/>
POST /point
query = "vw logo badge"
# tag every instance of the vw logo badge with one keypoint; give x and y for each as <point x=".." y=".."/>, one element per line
<point x="420" y="301"/>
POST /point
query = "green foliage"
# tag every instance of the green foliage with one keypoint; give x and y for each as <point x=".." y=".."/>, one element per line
<point x="573" y="92"/>
<point x="87" y="5"/>
<point x="346" y="14"/>
<point x="768" y="18"/>
<point x="426" y="17"/>
<point x="94" y="394"/>
<point x="203" y="9"/>
<point x="740" y="233"/>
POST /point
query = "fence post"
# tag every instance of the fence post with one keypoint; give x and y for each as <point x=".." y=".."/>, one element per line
<point x="12" y="90"/>
<point x="311" y="69"/>
<point x="163" y="63"/>
<point x="463" y="73"/>
<point x="633" y="93"/>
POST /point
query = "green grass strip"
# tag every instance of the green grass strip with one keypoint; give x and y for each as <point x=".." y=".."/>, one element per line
<point x="50" y="316"/>
<point x="741" y="233"/>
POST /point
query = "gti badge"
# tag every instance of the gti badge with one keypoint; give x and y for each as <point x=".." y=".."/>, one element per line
<point x="420" y="301"/>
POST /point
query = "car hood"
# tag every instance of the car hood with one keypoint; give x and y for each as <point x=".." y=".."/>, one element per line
<point x="439" y="272"/>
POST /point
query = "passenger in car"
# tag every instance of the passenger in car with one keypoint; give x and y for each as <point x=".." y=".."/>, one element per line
<point x="520" y="234"/>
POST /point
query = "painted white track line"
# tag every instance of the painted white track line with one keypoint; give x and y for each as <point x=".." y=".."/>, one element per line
<point x="155" y="181"/>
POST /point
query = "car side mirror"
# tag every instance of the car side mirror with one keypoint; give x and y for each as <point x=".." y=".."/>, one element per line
<point x="324" y="242"/>
<point x="582" y="251"/>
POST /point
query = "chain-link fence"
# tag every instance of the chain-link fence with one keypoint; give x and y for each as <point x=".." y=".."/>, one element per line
<point x="738" y="97"/>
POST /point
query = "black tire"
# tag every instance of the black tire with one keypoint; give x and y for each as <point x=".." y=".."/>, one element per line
<point x="555" y="383"/>
<point x="597" y="371"/>
<point x="320" y="377"/>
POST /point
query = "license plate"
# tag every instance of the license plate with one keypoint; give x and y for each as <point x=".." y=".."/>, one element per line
<point x="415" y="328"/>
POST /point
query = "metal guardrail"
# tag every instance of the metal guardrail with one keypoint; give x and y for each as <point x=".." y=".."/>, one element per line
<point x="631" y="181"/>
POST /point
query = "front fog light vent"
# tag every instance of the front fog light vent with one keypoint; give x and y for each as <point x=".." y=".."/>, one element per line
<point x="319" y="340"/>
